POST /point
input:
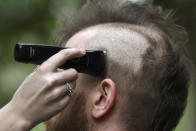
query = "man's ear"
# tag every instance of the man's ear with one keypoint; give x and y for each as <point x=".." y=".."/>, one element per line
<point x="104" y="98"/>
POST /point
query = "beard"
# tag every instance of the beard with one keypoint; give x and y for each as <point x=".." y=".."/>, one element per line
<point x="72" y="118"/>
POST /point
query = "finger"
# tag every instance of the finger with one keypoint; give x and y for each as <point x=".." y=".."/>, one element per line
<point x="60" y="78"/>
<point x="59" y="70"/>
<point x="64" y="102"/>
<point x="60" y="58"/>
<point x="60" y="104"/>
<point x="60" y="92"/>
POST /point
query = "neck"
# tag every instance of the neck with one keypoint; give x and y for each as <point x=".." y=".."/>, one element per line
<point x="107" y="124"/>
<point x="108" y="127"/>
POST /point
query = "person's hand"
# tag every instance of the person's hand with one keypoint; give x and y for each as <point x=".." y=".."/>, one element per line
<point x="43" y="93"/>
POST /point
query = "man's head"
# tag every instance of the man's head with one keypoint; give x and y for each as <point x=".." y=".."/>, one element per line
<point x="146" y="82"/>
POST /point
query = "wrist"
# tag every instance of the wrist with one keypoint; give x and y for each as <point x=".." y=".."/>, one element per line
<point x="13" y="120"/>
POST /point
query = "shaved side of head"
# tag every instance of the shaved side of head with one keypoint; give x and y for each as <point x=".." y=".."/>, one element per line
<point x="124" y="47"/>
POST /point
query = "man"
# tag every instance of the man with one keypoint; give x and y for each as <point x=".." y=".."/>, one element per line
<point x="146" y="83"/>
<point x="147" y="79"/>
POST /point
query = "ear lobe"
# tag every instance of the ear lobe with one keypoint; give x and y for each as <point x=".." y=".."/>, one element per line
<point x="104" y="98"/>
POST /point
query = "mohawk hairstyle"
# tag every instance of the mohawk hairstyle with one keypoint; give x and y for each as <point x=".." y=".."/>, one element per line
<point x="169" y="74"/>
<point x="96" y="12"/>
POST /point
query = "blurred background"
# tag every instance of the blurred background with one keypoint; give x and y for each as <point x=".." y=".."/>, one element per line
<point x="35" y="21"/>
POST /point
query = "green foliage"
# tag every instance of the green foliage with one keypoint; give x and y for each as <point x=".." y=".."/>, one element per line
<point x="39" y="127"/>
<point x="35" y="21"/>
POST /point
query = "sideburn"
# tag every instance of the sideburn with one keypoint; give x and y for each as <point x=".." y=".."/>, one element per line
<point x="73" y="118"/>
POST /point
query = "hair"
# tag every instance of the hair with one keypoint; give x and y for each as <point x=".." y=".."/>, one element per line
<point x="164" y="71"/>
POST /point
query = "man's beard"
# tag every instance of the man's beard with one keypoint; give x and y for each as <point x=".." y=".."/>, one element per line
<point x="73" y="118"/>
